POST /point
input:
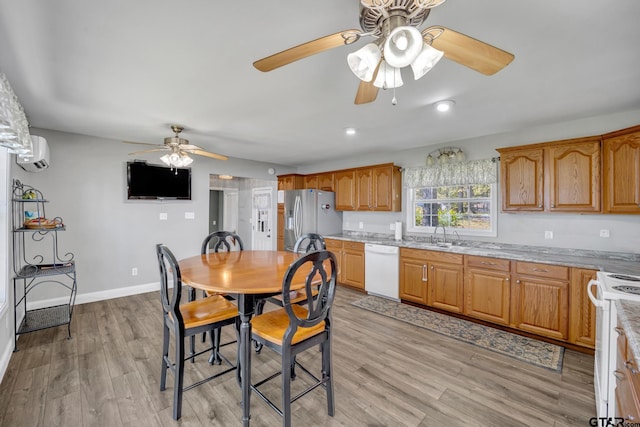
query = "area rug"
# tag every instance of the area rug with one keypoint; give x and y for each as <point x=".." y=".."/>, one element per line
<point x="528" y="350"/>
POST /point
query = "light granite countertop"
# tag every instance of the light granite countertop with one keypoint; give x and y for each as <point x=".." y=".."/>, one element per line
<point x="612" y="262"/>
<point x="629" y="315"/>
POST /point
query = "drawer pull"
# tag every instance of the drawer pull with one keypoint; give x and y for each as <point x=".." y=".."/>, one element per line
<point x="540" y="270"/>
<point x="631" y="367"/>
<point x="619" y="330"/>
<point x="488" y="263"/>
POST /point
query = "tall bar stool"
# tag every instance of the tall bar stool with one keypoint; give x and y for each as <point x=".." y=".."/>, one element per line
<point x="186" y="320"/>
<point x="293" y="329"/>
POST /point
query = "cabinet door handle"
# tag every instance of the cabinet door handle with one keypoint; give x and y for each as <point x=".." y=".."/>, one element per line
<point x="424" y="273"/>
<point x="540" y="206"/>
<point x="631" y="366"/>
<point x="618" y="374"/>
<point x="619" y="330"/>
<point x="432" y="267"/>
<point x="507" y="279"/>
<point x="553" y="205"/>
<point x="518" y="281"/>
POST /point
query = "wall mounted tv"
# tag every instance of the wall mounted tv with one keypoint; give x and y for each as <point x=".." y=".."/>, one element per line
<point x="152" y="182"/>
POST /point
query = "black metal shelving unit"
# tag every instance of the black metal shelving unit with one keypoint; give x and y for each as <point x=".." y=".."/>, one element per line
<point x="38" y="263"/>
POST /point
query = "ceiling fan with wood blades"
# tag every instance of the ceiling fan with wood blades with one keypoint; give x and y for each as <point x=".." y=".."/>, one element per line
<point x="179" y="150"/>
<point x="393" y="24"/>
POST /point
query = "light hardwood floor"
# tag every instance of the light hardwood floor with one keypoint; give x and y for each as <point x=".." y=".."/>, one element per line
<point x="387" y="373"/>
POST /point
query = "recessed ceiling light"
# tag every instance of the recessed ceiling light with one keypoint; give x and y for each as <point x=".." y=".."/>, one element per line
<point x="444" y="106"/>
<point x="350" y="131"/>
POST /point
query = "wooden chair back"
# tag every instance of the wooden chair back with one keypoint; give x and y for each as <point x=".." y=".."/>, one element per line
<point x="314" y="242"/>
<point x="221" y="241"/>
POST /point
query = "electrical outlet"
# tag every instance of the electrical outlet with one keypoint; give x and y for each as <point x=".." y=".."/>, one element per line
<point x="134" y="271"/>
<point x="189" y="215"/>
<point x="361" y="225"/>
<point x="163" y="216"/>
<point x="604" y="233"/>
<point x="548" y="234"/>
<point x="392" y="226"/>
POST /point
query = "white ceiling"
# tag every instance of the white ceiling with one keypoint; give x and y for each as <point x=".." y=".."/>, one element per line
<point x="126" y="70"/>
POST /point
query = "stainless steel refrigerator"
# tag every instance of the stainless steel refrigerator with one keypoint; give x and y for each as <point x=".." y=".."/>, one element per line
<point x="309" y="211"/>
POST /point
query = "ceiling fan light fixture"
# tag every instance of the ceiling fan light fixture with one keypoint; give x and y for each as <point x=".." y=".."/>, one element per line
<point x="388" y="77"/>
<point x="364" y="61"/>
<point x="427" y="4"/>
<point x="425" y="61"/>
<point x="402" y="46"/>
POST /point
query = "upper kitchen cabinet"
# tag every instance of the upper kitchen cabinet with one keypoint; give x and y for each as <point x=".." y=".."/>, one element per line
<point x="345" y="187"/>
<point x="522" y="179"/>
<point x="621" y="155"/>
<point x="290" y="182"/>
<point x="310" y="181"/>
<point x="379" y="188"/>
<point x="574" y="176"/>
<point x="325" y="181"/>
<point x="561" y="176"/>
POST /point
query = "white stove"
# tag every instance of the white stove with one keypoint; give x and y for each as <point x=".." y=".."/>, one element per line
<point x="610" y="287"/>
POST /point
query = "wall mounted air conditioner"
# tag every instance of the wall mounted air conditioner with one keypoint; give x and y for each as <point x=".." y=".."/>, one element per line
<point x="40" y="159"/>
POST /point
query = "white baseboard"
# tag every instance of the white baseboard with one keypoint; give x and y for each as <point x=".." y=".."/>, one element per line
<point x="5" y="358"/>
<point x="96" y="296"/>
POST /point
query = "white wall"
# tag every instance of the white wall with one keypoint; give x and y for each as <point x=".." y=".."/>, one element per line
<point x="6" y="290"/>
<point x="570" y="230"/>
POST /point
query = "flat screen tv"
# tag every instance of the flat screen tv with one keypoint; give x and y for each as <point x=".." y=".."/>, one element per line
<point x="152" y="182"/>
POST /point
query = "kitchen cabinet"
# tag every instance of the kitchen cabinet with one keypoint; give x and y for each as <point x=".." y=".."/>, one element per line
<point x="345" y="186"/>
<point x="290" y="182"/>
<point x="310" y="181"/>
<point x="560" y="176"/>
<point x="280" y="218"/>
<point x="325" y="181"/>
<point x="621" y="160"/>
<point x="432" y="278"/>
<point x="414" y="279"/>
<point x="378" y="188"/>
<point x="350" y="258"/>
<point x="540" y="300"/>
<point x="487" y="289"/>
<point x="627" y="380"/>
<point x="446" y="281"/>
<point x="582" y="315"/>
<point x="522" y="179"/>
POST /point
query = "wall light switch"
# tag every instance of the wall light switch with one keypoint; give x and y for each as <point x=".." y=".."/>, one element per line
<point x="604" y="233"/>
<point x="548" y="234"/>
<point x="361" y="225"/>
<point x="189" y="215"/>
<point x="392" y="226"/>
<point x="134" y="271"/>
<point x="163" y="216"/>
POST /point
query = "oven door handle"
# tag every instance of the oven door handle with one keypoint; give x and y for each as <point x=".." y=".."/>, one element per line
<point x="594" y="300"/>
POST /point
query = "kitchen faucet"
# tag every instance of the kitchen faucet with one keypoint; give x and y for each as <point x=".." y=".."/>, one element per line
<point x="434" y="238"/>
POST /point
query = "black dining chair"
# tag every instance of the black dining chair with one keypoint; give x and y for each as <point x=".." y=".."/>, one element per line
<point x="217" y="241"/>
<point x="293" y="329"/>
<point x="187" y="320"/>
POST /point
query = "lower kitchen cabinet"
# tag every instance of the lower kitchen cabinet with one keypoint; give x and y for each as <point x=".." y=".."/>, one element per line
<point x="414" y="281"/>
<point x="350" y="257"/>
<point x="627" y="380"/>
<point x="582" y="315"/>
<point x="446" y="278"/>
<point x="280" y="225"/>
<point x="541" y="299"/>
<point x="488" y="289"/>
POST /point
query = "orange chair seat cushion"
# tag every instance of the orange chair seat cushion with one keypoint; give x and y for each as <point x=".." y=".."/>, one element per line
<point x="297" y="296"/>
<point x="272" y="325"/>
<point x="207" y="310"/>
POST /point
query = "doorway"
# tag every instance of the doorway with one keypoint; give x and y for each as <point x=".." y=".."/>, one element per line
<point x="262" y="215"/>
<point x="223" y="210"/>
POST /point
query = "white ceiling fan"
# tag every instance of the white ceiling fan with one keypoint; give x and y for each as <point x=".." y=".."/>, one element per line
<point x="397" y="43"/>
<point x="179" y="150"/>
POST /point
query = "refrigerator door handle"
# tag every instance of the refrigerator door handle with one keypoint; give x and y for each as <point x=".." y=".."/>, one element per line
<point x="297" y="217"/>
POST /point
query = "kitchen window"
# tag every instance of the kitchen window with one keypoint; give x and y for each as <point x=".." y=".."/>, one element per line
<point x="461" y="197"/>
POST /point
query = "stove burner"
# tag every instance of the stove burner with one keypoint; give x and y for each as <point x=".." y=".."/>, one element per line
<point x="635" y="290"/>
<point x="625" y="277"/>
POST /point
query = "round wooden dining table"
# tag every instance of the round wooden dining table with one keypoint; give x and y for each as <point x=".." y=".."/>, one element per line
<point x="251" y="276"/>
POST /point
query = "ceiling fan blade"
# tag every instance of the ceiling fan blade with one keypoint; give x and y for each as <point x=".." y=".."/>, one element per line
<point x="189" y="147"/>
<point x="141" y="143"/>
<point x="148" y="151"/>
<point x="367" y="92"/>
<point x="207" y="154"/>
<point x="307" y="49"/>
<point x="467" y="51"/>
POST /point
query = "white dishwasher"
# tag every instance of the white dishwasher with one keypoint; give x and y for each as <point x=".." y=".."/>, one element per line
<point x="381" y="270"/>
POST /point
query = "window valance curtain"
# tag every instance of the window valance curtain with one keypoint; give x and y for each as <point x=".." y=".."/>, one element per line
<point x="14" y="128"/>
<point x="471" y="172"/>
